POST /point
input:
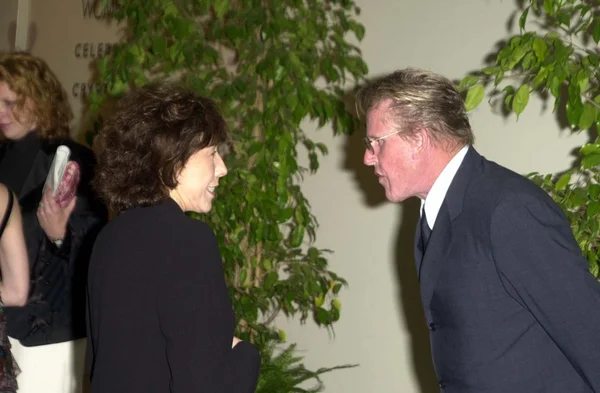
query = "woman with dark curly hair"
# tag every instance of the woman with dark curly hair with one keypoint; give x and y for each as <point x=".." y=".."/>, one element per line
<point x="159" y="312"/>
<point x="47" y="334"/>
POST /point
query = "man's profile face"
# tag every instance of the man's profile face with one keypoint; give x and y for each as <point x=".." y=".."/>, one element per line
<point x="394" y="159"/>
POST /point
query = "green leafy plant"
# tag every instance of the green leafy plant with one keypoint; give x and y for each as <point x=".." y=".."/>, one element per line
<point x="283" y="372"/>
<point x="555" y="55"/>
<point x="270" y="64"/>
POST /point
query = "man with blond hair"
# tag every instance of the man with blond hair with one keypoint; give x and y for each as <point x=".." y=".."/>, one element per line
<point x="508" y="298"/>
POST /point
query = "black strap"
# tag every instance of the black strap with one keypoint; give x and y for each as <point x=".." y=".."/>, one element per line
<point x="7" y="212"/>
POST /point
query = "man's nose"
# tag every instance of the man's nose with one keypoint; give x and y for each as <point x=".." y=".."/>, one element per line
<point x="369" y="158"/>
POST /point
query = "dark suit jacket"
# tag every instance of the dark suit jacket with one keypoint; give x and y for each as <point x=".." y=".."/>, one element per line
<point x="55" y="311"/>
<point x="508" y="297"/>
<point x="160" y="316"/>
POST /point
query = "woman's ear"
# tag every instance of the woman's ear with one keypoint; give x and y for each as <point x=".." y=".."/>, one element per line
<point x="27" y="116"/>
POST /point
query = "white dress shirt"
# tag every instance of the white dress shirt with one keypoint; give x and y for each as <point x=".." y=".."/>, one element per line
<point x="438" y="191"/>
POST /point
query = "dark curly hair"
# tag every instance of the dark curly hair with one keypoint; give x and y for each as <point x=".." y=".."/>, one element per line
<point x="31" y="78"/>
<point x="142" y="148"/>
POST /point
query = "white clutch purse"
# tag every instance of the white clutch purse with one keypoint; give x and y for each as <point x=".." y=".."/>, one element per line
<point x="58" y="167"/>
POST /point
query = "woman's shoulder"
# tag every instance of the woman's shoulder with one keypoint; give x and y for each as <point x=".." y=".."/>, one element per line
<point x="193" y="228"/>
<point x="165" y="217"/>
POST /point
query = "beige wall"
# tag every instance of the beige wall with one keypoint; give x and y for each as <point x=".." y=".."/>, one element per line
<point x="381" y="326"/>
<point x="8" y="19"/>
<point x="69" y="34"/>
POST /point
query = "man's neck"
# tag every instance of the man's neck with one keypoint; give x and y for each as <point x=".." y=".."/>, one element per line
<point x="435" y="162"/>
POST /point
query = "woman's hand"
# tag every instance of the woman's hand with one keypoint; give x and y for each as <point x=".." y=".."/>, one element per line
<point x="235" y="341"/>
<point x="53" y="218"/>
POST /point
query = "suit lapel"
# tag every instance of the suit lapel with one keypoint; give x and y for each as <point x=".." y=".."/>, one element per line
<point x="433" y="260"/>
<point x="442" y="236"/>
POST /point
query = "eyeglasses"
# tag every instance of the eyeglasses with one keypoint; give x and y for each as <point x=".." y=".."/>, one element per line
<point x="369" y="142"/>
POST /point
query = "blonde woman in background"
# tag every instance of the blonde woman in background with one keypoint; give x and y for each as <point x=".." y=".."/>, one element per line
<point x="47" y="334"/>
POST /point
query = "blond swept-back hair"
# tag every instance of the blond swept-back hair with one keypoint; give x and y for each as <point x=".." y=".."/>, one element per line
<point x="33" y="81"/>
<point x="420" y="99"/>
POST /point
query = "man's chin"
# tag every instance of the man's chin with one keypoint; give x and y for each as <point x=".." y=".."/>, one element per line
<point x="392" y="197"/>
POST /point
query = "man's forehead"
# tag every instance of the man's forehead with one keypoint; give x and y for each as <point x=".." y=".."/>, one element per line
<point x="379" y="118"/>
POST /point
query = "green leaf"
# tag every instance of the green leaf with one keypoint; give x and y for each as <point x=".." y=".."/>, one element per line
<point x="594" y="191"/>
<point x="286" y="214"/>
<point x="593" y="58"/>
<point x="549" y="6"/>
<point x="540" y="78"/>
<point x="574" y="111"/>
<point x="474" y="97"/>
<point x="297" y="236"/>
<point x="220" y="7"/>
<point x="322" y="316"/>
<point x="267" y="264"/>
<point x="590" y="161"/>
<point x="588" y="116"/>
<point x="282" y="335"/>
<point x="291" y="101"/>
<point x="336" y="288"/>
<point x="337" y="304"/>
<point x="358" y="29"/>
<point x="521" y="99"/>
<point x="562" y="182"/>
<point x="322" y="147"/>
<point x="490" y="70"/>
<point x="467" y="82"/>
<point x="540" y="48"/>
<point x="508" y="99"/>
<point x="271" y="279"/>
<point x="319" y="301"/>
<point x="593" y="209"/>
<point x="159" y="46"/>
<point x="170" y="9"/>
<point x="596" y="31"/>
<point x="584" y="10"/>
<point x="590" y="148"/>
<point x="564" y="19"/>
<point x="499" y="77"/>
<point x="523" y="19"/>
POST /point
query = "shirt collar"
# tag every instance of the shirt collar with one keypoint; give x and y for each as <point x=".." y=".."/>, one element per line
<point x="436" y="195"/>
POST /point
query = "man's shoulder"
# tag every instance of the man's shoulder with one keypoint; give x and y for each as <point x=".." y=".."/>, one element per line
<point x="496" y="183"/>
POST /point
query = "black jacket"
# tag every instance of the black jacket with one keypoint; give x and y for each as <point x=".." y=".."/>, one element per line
<point x="508" y="296"/>
<point x="160" y="315"/>
<point x="55" y="311"/>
